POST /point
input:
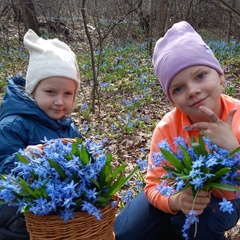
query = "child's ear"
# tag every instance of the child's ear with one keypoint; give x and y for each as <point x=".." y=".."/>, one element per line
<point x="222" y="79"/>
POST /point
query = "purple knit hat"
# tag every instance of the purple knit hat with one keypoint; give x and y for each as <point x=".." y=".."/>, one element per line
<point x="181" y="47"/>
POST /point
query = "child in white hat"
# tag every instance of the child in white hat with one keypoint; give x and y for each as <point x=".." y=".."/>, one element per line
<point x="36" y="109"/>
<point x="192" y="79"/>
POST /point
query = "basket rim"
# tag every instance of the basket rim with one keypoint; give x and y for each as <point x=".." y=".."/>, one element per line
<point x="115" y="197"/>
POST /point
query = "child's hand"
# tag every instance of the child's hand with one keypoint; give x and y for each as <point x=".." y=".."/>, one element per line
<point x="219" y="132"/>
<point x="184" y="201"/>
<point x="35" y="150"/>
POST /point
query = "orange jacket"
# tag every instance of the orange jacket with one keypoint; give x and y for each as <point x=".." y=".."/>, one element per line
<point x="172" y="125"/>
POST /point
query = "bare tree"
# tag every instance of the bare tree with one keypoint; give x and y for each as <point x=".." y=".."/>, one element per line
<point x="162" y="9"/>
<point x="29" y="15"/>
<point x="94" y="88"/>
<point x="150" y="37"/>
<point x="233" y="7"/>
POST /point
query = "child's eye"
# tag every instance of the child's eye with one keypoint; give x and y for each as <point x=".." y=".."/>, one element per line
<point x="50" y="91"/>
<point x="69" y="93"/>
<point x="200" y="76"/>
<point x="177" y="90"/>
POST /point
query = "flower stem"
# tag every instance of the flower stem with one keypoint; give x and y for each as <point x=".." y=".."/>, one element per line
<point x="195" y="196"/>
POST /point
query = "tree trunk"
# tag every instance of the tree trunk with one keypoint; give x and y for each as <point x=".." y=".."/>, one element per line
<point x="150" y="35"/>
<point x="94" y="88"/>
<point x="29" y="15"/>
<point x="162" y="9"/>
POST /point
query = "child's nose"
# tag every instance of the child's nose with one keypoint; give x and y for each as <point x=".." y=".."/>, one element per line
<point x="193" y="90"/>
<point x="58" y="100"/>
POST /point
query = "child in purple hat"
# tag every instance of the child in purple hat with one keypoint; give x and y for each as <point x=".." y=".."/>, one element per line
<point x="192" y="80"/>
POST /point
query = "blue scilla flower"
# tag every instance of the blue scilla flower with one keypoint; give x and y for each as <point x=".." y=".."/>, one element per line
<point x="113" y="204"/>
<point x="138" y="185"/>
<point x="179" y="185"/>
<point x="211" y="161"/>
<point x="126" y="196"/>
<point x="226" y="206"/>
<point x="67" y="214"/>
<point x="84" y="106"/>
<point x="47" y="180"/>
<point x="180" y="141"/>
<point x="104" y="84"/>
<point x="191" y="218"/>
<point x="158" y="158"/>
<point x="91" y="209"/>
<point x="195" y="172"/>
<point x="142" y="164"/>
<point x="199" y="162"/>
<point x="197" y="182"/>
<point x="165" y="189"/>
<point x="200" y="165"/>
<point x="164" y="144"/>
<point x="63" y="177"/>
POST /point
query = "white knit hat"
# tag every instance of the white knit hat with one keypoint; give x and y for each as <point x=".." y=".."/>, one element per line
<point x="48" y="58"/>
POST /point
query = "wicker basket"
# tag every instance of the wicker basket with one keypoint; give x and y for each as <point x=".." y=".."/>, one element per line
<point x="84" y="226"/>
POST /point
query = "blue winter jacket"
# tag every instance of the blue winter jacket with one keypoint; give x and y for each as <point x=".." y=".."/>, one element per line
<point x="23" y="123"/>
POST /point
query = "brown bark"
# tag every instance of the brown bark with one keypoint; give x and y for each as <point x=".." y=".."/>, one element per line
<point x="162" y="9"/>
<point x="29" y="15"/>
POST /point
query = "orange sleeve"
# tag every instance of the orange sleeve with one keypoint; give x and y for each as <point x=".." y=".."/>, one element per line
<point x="169" y="127"/>
<point x="223" y="193"/>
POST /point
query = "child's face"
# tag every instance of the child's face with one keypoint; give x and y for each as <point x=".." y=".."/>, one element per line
<point x="197" y="86"/>
<point x="55" y="96"/>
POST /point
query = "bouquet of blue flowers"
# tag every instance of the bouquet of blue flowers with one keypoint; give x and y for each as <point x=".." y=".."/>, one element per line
<point x="201" y="166"/>
<point x="63" y="178"/>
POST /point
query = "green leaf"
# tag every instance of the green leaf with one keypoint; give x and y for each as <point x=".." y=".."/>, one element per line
<point x="3" y="177"/>
<point x="79" y="140"/>
<point x="41" y="192"/>
<point x="235" y="151"/>
<point x="182" y="176"/>
<point x="57" y="167"/>
<point x="75" y="178"/>
<point x="172" y="159"/>
<point x="78" y="149"/>
<point x="25" y="186"/>
<point x="96" y="183"/>
<point x="74" y="149"/>
<point x="106" y="171"/>
<point x="187" y="159"/>
<point x="113" y="176"/>
<point x="23" y="192"/>
<point x="199" y="147"/>
<point x="218" y="174"/>
<point x="169" y="168"/>
<point x="22" y="159"/>
<point x="103" y="201"/>
<point x="223" y="187"/>
<point x="202" y="145"/>
<point x="122" y="180"/>
<point x="84" y="155"/>
<point x="78" y="203"/>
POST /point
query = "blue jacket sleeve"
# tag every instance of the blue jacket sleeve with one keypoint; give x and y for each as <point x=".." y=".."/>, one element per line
<point x="12" y="138"/>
